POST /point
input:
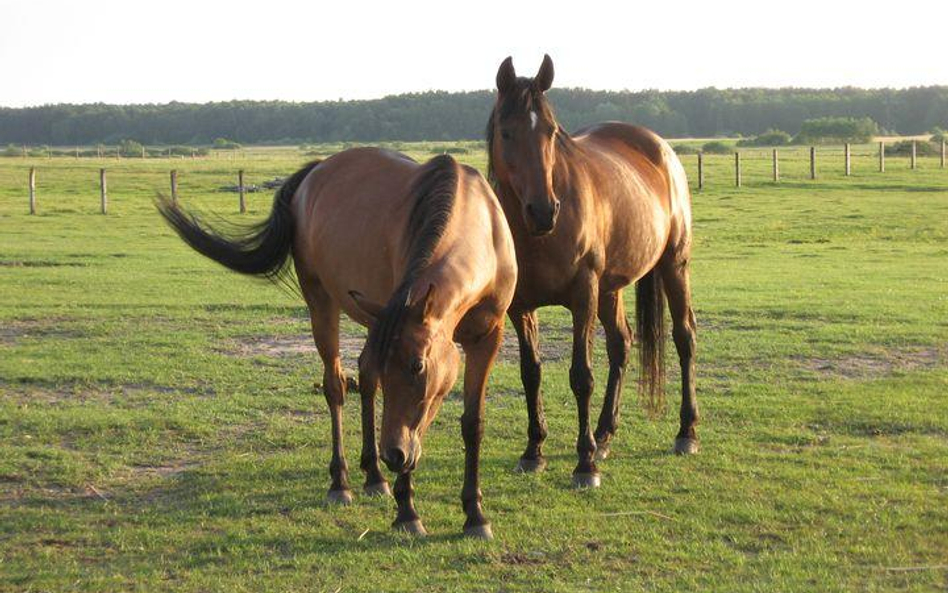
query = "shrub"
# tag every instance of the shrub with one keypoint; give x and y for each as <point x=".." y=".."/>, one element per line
<point x="684" y="149"/>
<point x="12" y="150"/>
<point x="130" y="148"/>
<point x="771" y="137"/>
<point x="938" y="136"/>
<point x="225" y="144"/>
<point x="826" y="130"/>
<point x="904" y="148"/>
<point x="448" y="150"/>
<point x="717" y="147"/>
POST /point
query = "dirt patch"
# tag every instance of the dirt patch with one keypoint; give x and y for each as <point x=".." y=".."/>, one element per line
<point x="52" y="393"/>
<point x="879" y="363"/>
<point x="293" y="346"/>
<point x="39" y="263"/>
<point x="15" y="330"/>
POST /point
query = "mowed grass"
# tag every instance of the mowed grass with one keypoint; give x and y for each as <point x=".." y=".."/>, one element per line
<point x="159" y="428"/>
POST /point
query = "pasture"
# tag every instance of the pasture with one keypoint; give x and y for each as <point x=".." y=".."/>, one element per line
<point x="159" y="427"/>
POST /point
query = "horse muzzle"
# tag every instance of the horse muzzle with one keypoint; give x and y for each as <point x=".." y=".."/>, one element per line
<point x="540" y="216"/>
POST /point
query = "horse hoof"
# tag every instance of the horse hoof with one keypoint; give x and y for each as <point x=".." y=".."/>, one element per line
<point x="479" y="532"/>
<point x="411" y="527"/>
<point x="379" y="489"/>
<point x="686" y="446"/>
<point x="339" y="497"/>
<point x="531" y="466"/>
<point x="602" y="451"/>
<point x="586" y="480"/>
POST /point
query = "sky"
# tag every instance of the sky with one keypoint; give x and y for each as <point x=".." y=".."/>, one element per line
<point x="198" y="51"/>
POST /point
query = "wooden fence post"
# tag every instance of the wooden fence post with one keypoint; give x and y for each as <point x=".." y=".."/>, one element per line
<point x="32" y="190"/>
<point x="737" y="169"/>
<point x="104" y="196"/>
<point x="812" y="162"/>
<point x="882" y="157"/>
<point x="848" y="154"/>
<point x="143" y="151"/>
<point x="240" y="188"/>
<point x="776" y="166"/>
<point x="942" y="154"/>
<point x="914" y="154"/>
<point x="174" y="185"/>
<point x="701" y="170"/>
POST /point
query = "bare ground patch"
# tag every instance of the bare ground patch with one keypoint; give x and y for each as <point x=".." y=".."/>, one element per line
<point x="875" y="364"/>
<point x="52" y="393"/>
<point x="292" y="346"/>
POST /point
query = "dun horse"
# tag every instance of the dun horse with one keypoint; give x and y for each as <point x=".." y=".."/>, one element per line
<point x="590" y="214"/>
<point x="420" y="254"/>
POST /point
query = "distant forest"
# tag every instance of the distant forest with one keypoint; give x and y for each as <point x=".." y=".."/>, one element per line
<point x="462" y="116"/>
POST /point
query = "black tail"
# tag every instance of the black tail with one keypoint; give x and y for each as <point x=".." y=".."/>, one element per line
<point x="260" y="249"/>
<point x="650" y="328"/>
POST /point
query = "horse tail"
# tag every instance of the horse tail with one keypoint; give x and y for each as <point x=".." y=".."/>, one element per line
<point x="259" y="249"/>
<point x="650" y="330"/>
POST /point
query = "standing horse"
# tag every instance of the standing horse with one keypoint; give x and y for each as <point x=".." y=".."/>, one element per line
<point x="591" y="214"/>
<point x="420" y="254"/>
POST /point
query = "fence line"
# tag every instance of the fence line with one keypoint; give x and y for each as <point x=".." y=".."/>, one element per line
<point x="739" y="166"/>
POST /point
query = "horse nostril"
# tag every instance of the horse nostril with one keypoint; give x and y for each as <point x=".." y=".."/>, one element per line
<point x="394" y="458"/>
<point x="530" y="209"/>
<point x="556" y="207"/>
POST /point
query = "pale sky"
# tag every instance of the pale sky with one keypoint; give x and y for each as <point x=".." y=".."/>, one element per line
<point x="197" y="51"/>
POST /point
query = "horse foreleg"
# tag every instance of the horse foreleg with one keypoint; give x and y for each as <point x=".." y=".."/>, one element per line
<point x="375" y="483"/>
<point x="675" y="276"/>
<point x="407" y="519"/>
<point x="479" y="357"/>
<point x="581" y="380"/>
<point x="618" y="344"/>
<point x="525" y="324"/>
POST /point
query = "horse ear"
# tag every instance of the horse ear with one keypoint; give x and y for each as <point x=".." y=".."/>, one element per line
<point x="371" y="309"/>
<point x="506" y="75"/>
<point x="422" y="305"/>
<point x="544" y="77"/>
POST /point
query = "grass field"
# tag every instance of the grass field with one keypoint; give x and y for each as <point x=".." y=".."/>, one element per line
<point x="159" y="428"/>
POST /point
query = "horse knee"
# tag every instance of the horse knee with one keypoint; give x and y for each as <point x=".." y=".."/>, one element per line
<point x="530" y="374"/>
<point x="581" y="380"/>
<point x="334" y="387"/>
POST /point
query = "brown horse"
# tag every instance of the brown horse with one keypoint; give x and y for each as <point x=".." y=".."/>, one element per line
<point x="420" y="254"/>
<point x="590" y="214"/>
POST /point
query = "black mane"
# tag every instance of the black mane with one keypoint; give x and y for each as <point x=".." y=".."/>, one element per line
<point x="434" y="192"/>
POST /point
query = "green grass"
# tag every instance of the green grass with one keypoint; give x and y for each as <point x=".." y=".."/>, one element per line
<point x="149" y="442"/>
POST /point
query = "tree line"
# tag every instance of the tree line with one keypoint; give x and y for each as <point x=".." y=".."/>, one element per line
<point x="439" y="115"/>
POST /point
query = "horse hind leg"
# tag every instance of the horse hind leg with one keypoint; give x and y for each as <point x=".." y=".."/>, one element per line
<point x="676" y="279"/>
<point x="618" y="345"/>
<point x="324" y="317"/>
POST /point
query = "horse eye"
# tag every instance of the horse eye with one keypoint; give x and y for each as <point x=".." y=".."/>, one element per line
<point x="417" y="366"/>
<point x="505" y="134"/>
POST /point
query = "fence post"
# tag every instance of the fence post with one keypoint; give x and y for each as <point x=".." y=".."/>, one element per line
<point x="942" y="154"/>
<point x="914" y="154"/>
<point x="174" y="185"/>
<point x="77" y="152"/>
<point x="737" y="169"/>
<point x="812" y="162"/>
<point x="104" y="196"/>
<point x="143" y="151"/>
<point x="848" y="153"/>
<point x="882" y="157"/>
<point x="776" y="166"/>
<point x="701" y="169"/>
<point x="240" y="188"/>
<point x="32" y="190"/>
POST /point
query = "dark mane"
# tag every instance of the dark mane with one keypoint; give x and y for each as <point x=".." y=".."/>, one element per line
<point x="434" y="192"/>
<point x="524" y="99"/>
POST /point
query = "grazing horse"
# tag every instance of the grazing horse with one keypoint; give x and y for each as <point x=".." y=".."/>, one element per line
<point x="422" y="256"/>
<point x="590" y="214"/>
